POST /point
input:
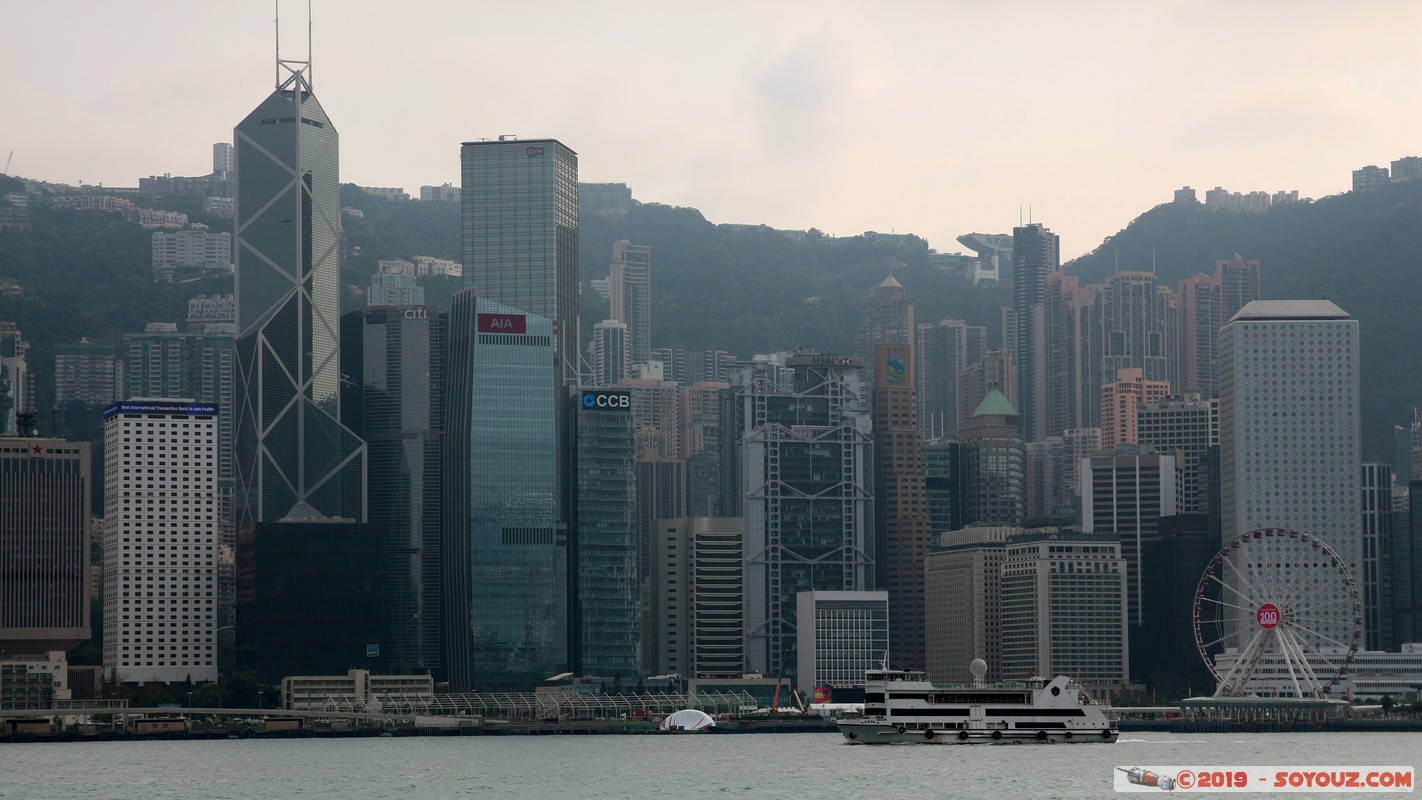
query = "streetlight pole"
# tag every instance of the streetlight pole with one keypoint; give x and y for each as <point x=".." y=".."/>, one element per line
<point x="260" y="704"/>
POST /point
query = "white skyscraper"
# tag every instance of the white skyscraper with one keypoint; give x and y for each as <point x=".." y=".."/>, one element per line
<point x="1290" y="425"/>
<point x="630" y="295"/>
<point x="160" y="540"/>
<point x="611" y="352"/>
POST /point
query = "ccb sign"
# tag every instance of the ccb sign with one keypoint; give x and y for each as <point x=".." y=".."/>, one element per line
<point x="596" y="401"/>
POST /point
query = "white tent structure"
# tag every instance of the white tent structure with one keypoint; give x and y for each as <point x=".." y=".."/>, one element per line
<point x="688" y="719"/>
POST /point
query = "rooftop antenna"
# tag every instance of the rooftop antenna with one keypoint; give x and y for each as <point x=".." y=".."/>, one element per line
<point x="297" y="73"/>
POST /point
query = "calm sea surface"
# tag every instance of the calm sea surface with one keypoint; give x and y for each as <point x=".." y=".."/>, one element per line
<point x="747" y="765"/>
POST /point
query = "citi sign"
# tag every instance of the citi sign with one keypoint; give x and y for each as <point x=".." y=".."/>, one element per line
<point x="596" y="400"/>
<point x="502" y="323"/>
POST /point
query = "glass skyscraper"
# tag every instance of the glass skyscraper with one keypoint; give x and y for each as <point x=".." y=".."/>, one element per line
<point x="294" y="458"/>
<point x="520" y="232"/>
<point x="394" y="358"/>
<point x="607" y="618"/>
<point x="1036" y="253"/>
<point x="504" y="556"/>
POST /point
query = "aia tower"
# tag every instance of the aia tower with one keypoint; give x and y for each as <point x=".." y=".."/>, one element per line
<point x="504" y="555"/>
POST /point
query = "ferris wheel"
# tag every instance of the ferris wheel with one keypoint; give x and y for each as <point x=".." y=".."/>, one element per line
<point x="1277" y="611"/>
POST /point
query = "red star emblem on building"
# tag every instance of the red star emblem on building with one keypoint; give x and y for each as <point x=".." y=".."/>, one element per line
<point x="35" y="449"/>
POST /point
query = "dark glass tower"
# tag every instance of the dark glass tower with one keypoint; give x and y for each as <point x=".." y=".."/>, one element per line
<point x="504" y="558"/>
<point x="607" y="613"/>
<point x="294" y="458"/>
<point x="1036" y="253"/>
<point x="394" y="357"/>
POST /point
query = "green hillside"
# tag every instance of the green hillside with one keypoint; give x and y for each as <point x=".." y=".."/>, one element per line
<point x="1361" y="250"/>
<point x="85" y="274"/>
<point x="754" y="289"/>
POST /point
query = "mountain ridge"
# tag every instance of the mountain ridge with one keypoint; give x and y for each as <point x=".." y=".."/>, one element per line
<point x="749" y="289"/>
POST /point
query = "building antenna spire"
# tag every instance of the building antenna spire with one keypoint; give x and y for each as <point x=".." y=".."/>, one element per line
<point x="310" y="62"/>
<point x="292" y="73"/>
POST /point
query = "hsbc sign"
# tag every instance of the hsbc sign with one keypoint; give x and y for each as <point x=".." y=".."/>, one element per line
<point x="596" y="401"/>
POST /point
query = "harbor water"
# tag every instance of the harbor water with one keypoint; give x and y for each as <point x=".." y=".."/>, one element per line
<point x="805" y="765"/>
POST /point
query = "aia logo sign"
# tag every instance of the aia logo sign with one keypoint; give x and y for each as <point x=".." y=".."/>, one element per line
<point x="502" y="323"/>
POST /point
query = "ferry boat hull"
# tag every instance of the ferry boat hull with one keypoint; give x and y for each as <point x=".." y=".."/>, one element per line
<point x="856" y="732"/>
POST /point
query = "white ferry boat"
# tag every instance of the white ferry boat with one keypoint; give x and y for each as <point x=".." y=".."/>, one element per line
<point x="903" y="706"/>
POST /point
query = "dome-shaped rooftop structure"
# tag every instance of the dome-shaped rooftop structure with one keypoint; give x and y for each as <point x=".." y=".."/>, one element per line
<point x="688" y="719"/>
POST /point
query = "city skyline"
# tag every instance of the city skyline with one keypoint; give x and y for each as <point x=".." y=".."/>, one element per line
<point x="529" y="548"/>
<point x="774" y="99"/>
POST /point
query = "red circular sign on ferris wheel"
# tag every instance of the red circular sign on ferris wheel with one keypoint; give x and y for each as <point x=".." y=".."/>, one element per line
<point x="1267" y="615"/>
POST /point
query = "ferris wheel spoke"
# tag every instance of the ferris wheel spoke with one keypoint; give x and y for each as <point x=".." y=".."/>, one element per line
<point x="1257" y="586"/>
<point x="1324" y="637"/>
<point x="1328" y="661"/>
<point x="1287" y="650"/>
<point x="1227" y="605"/>
<point x="1222" y="639"/>
<point x="1246" y="598"/>
<point x="1333" y="659"/>
<point x="1304" y="666"/>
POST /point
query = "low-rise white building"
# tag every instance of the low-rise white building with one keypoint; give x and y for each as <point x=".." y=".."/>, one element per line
<point x="193" y="252"/>
<point x="1373" y="674"/>
<point x="33" y="681"/>
<point x="357" y="688"/>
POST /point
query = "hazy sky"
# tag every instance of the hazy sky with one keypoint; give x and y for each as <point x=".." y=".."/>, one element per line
<point x="936" y="118"/>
